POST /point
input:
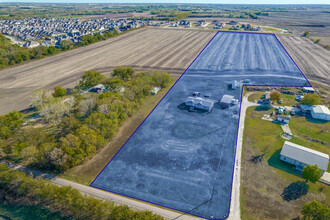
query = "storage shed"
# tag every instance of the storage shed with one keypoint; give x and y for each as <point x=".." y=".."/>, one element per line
<point x="301" y="156"/>
<point x="320" y="112"/>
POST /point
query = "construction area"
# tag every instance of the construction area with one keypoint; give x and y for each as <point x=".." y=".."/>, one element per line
<point x="182" y="156"/>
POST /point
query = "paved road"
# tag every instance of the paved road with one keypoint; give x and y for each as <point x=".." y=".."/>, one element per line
<point x="235" y="194"/>
<point x="99" y="194"/>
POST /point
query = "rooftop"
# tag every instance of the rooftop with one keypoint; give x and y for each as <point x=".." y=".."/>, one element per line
<point x="305" y="155"/>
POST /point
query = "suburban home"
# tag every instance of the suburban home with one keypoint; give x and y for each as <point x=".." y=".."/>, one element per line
<point x="301" y="156"/>
<point x="308" y="89"/>
<point x="155" y="90"/>
<point x="226" y="101"/>
<point x="320" y="112"/>
<point x="200" y="103"/>
<point x="283" y="118"/>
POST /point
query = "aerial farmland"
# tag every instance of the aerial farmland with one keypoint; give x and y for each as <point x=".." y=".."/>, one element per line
<point x="183" y="158"/>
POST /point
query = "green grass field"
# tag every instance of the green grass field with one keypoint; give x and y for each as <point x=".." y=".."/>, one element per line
<point x="262" y="184"/>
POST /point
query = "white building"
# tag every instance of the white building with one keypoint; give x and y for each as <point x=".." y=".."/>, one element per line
<point x="308" y="89"/>
<point x="284" y="118"/>
<point x="320" y="112"/>
<point x="200" y="103"/>
<point x="301" y="156"/>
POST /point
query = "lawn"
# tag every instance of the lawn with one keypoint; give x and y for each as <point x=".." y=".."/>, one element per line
<point x="265" y="185"/>
<point x="27" y="213"/>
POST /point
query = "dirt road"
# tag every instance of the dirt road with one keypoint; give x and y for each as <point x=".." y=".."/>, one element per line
<point x="143" y="49"/>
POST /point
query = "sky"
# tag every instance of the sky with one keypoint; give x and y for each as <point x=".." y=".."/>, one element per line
<point x="182" y="1"/>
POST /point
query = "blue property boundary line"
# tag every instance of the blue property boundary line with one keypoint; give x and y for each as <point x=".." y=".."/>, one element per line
<point x="243" y="86"/>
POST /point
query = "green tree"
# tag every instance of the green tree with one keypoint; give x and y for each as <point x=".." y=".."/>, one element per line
<point x="315" y="211"/>
<point x="91" y="78"/>
<point x="59" y="91"/>
<point x="311" y="99"/>
<point x="123" y="72"/>
<point x="306" y="34"/>
<point x="161" y="79"/>
<point x="275" y="96"/>
<point x="311" y="173"/>
<point x="318" y="41"/>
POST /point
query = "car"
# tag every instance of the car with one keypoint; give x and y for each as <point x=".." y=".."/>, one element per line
<point x="196" y="94"/>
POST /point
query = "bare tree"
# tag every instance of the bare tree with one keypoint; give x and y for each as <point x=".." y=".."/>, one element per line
<point x="103" y="109"/>
<point x="87" y="105"/>
<point x="40" y="97"/>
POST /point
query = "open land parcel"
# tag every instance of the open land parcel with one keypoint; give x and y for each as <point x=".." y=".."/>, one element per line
<point x="182" y="159"/>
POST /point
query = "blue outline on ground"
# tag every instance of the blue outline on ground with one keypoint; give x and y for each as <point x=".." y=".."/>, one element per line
<point x="182" y="155"/>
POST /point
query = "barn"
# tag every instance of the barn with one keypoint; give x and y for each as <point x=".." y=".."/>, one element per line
<point x="320" y="112"/>
<point x="301" y="156"/>
<point x="226" y="101"/>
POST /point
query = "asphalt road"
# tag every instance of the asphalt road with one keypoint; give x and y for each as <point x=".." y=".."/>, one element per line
<point x="99" y="194"/>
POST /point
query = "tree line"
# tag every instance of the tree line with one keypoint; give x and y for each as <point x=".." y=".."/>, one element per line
<point x="18" y="189"/>
<point x="78" y="125"/>
<point x="12" y="54"/>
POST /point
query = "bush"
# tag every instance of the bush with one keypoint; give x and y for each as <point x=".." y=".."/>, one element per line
<point x="311" y="99"/>
<point x="311" y="173"/>
<point x="59" y="91"/>
<point x="306" y="34"/>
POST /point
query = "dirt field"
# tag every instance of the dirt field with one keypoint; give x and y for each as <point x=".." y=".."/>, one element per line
<point x="312" y="59"/>
<point x="144" y="49"/>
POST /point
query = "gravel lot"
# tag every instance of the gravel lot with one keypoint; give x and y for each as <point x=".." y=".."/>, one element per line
<point x="144" y="49"/>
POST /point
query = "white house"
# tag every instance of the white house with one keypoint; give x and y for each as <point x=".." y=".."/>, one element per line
<point x="308" y="89"/>
<point x="226" y="101"/>
<point x="320" y="112"/>
<point x="301" y="156"/>
<point x="200" y="103"/>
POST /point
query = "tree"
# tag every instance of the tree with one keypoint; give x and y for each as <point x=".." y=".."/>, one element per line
<point x="40" y="97"/>
<point x="275" y="96"/>
<point x="161" y="79"/>
<point x="318" y="41"/>
<point x="306" y="34"/>
<point x="311" y="99"/>
<point x="59" y="91"/>
<point x="315" y="211"/>
<point x="311" y="173"/>
<point x="123" y="72"/>
<point x="91" y="78"/>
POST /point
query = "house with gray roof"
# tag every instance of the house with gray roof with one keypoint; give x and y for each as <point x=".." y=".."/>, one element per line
<point x="320" y="112"/>
<point x="301" y="156"/>
<point x="200" y="103"/>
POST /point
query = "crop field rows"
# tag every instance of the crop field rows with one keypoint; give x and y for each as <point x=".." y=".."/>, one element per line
<point x="184" y="160"/>
<point x="144" y="49"/>
<point x="312" y="59"/>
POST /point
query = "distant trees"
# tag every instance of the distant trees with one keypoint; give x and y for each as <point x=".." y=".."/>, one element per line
<point x="124" y="73"/>
<point x="90" y="79"/>
<point x="275" y="96"/>
<point x="59" y="91"/>
<point x="311" y="173"/>
<point x="315" y="211"/>
<point x="306" y="34"/>
<point x="311" y="99"/>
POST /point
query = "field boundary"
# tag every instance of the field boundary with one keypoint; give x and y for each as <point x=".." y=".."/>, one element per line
<point x="237" y="134"/>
